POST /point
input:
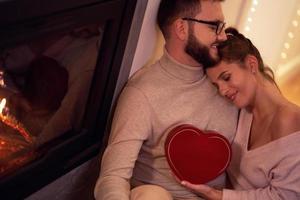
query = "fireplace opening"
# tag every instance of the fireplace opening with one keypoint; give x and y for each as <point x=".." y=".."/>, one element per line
<point x="59" y="65"/>
<point x="44" y="88"/>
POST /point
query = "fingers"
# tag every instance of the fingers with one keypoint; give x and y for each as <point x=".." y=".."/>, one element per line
<point x="199" y="188"/>
<point x="204" y="190"/>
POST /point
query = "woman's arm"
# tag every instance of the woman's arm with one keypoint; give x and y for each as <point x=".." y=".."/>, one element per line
<point x="284" y="183"/>
<point x="204" y="191"/>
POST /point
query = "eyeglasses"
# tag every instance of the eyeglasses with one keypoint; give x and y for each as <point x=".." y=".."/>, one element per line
<point x="219" y="26"/>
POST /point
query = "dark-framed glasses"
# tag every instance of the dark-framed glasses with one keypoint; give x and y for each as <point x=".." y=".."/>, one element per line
<point x="218" y="24"/>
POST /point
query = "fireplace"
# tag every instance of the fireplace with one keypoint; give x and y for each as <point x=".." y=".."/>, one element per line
<point x="59" y="66"/>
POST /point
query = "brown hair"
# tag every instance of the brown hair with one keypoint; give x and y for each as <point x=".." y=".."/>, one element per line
<point x="237" y="47"/>
<point x="170" y="10"/>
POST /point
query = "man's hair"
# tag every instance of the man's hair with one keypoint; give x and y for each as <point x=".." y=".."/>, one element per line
<point x="170" y="10"/>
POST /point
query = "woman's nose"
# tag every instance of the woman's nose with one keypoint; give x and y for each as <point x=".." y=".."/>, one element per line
<point x="223" y="90"/>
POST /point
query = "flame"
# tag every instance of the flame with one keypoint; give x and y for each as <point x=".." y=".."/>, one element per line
<point x="2" y="84"/>
<point x="11" y="121"/>
<point x="2" y="105"/>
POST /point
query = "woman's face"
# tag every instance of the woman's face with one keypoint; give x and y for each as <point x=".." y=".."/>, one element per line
<point x="234" y="82"/>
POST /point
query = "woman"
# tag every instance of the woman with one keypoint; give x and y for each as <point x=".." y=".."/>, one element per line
<point x="266" y="154"/>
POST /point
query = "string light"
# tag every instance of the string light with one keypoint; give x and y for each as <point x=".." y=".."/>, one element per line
<point x="286" y="45"/>
<point x="283" y="55"/>
<point x="291" y="35"/>
<point x="295" y="23"/>
<point x="249" y="18"/>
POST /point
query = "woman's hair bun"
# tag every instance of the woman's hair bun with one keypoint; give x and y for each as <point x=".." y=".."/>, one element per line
<point x="232" y="31"/>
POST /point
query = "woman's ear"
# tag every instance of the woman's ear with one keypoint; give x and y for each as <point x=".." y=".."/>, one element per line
<point x="252" y="64"/>
<point x="181" y="29"/>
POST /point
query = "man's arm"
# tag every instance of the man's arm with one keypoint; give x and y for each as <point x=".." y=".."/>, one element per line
<point x="131" y="127"/>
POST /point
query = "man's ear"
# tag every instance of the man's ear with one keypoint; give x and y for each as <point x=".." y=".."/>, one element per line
<point x="181" y="29"/>
<point x="252" y="64"/>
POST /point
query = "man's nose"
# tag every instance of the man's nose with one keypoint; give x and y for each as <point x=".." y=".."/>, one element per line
<point x="222" y="36"/>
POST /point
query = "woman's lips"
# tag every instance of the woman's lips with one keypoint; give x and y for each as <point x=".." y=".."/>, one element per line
<point x="232" y="96"/>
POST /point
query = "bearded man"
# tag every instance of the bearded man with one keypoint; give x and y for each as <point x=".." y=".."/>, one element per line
<point x="172" y="91"/>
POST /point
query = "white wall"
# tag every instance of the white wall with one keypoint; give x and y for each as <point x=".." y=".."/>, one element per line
<point x="233" y="10"/>
<point x="268" y="28"/>
<point x="147" y="40"/>
<point x="150" y="41"/>
<point x="269" y="25"/>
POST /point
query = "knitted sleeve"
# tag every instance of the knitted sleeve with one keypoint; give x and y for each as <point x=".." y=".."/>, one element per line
<point x="284" y="181"/>
<point x="130" y="128"/>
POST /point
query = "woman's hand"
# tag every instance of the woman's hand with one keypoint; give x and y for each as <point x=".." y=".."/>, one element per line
<point x="204" y="190"/>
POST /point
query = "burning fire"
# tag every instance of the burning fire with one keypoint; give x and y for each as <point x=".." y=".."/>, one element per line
<point x="11" y="121"/>
<point x="2" y="105"/>
<point x="2" y="84"/>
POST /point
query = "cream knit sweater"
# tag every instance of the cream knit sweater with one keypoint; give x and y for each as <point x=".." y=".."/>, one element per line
<point x="154" y="100"/>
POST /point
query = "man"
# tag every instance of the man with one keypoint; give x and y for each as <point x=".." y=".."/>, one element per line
<point x="172" y="91"/>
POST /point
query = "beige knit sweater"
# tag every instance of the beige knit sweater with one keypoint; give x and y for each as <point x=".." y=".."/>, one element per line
<point x="271" y="171"/>
<point x="157" y="98"/>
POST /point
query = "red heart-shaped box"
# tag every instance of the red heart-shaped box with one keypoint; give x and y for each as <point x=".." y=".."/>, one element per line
<point x="196" y="156"/>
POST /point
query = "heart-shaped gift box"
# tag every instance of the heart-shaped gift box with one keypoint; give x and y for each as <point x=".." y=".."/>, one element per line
<point x="197" y="156"/>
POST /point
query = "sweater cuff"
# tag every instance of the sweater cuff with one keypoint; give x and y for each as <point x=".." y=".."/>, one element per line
<point x="229" y="194"/>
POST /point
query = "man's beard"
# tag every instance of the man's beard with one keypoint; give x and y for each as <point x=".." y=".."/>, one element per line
<point x="200" y="52"/>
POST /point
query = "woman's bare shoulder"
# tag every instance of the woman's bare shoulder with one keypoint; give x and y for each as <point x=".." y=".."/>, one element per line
<point x="287" y="121"/>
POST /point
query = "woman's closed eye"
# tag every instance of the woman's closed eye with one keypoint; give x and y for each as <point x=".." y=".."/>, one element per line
<point x="226" y="77"/>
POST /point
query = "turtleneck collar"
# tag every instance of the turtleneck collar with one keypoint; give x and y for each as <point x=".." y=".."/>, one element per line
<point x="180" y="71"/>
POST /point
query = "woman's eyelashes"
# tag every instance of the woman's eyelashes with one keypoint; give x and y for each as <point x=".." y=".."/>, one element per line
<point x="226" y="77"/>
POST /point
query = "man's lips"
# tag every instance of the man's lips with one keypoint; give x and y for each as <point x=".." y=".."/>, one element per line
<point x="214" y="45"/>
<point x="214" y="48"/>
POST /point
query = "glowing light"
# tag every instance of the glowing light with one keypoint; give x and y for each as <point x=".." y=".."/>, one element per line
<point x="253" y="9"/>
<point x="2" y="79"/>
<point x="247" y="28"/>
<point x="286" y="45"/>
<point x="11" y="121"/>
<point x="283" y="55"/>
<point x="295" y="23"/>
<point x="291" y="35"/>
<point x="298" y="12"/>
<point x="2" y="105"/>
<point x="249" y="19"/>
<point x="255" y="2"/>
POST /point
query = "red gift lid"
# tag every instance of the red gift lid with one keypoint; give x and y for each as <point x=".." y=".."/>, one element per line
<point x="197" y="156"/>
